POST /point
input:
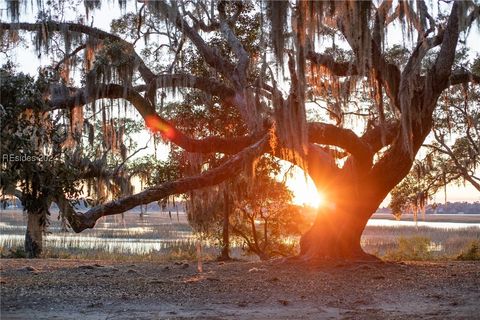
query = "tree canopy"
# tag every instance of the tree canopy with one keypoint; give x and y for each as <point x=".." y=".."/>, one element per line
<point x="269" y="63"/>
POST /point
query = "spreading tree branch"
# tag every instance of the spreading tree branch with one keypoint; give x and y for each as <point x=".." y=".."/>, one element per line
<point x="462" y="77"/>
<point x="211" y="56"/>
<point x="240" y="73"/>
<point x="82" y="221"/>
<point x="153" y="120"/>
<point x="443" y="65"/>
<point x="51" y="26"/>
<point x="382" y="135"/>
<point x="70" y="55"/>
<point x="323" y="133"/>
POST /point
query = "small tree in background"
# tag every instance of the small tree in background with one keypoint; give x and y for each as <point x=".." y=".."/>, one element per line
<point x="266" y="221"/>
<point x="264" y="218"/>
<point x="34" y="167"/>
<point x="256" y="212"/>
<point x="58" y="156"/>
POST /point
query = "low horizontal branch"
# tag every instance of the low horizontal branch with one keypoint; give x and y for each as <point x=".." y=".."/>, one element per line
<point x="233" y="166"/>
<point x="153" y="120"/>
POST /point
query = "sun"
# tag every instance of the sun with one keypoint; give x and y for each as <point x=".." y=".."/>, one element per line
<point x="304" y="190"/>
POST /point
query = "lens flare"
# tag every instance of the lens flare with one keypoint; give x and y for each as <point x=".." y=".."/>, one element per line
<point x="157" y="124"/>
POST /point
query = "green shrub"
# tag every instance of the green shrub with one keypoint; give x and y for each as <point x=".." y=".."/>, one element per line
<point x="472" y="252"/>
<point x="413" y="248"/>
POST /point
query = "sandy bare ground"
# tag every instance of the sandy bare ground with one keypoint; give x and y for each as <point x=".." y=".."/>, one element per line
<point x="69" y="289"/>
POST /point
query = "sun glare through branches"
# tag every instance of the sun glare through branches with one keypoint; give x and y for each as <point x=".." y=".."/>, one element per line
<point x="304" y="190"/>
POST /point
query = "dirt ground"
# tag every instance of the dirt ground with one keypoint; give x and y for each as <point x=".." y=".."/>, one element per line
<point x="69" y="289"/>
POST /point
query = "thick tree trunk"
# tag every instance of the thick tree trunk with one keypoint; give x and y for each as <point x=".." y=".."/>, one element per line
<point x="335" y="234"/>
<point x="34" y="234"/>
<point x="338" y="227"/>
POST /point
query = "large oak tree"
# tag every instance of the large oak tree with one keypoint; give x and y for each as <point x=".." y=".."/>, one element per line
<point x="332" y="54"/>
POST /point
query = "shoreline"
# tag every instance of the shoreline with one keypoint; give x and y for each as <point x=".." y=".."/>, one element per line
<point x="459" y="218"/>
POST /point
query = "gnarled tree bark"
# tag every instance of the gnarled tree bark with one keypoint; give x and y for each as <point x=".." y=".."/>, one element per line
<point x="34" y="234"/>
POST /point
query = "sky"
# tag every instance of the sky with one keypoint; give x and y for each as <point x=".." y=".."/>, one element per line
<point x="304" y="189"/>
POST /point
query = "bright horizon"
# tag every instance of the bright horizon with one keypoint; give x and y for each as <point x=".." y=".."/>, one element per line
<point x="305" y="193"/>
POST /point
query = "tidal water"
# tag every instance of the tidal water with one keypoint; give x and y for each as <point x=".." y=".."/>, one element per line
<point x="419" y="223"/>
<point x="159" y="233"/>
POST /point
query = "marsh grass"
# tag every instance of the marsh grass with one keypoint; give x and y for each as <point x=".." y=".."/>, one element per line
<point x="177" y="251"/>
<point x="417" y="243"/>
<point x="414" y="248"/>
<point x="471" y="252"/>
<point x="156" y="237"/>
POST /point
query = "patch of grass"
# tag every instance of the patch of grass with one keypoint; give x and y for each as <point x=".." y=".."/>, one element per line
<point x="472" y="252"/>
<point x="444" y="243"/>
<point x="174" y="252"/>
<point x="413" y="248"/>
<point x="13" y="253"/>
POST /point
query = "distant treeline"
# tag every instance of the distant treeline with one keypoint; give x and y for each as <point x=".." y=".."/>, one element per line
<point x="446" y="208"/>
<point x="436" y="208"/>
<point x="83" y="204"/>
